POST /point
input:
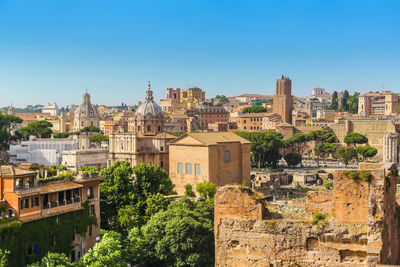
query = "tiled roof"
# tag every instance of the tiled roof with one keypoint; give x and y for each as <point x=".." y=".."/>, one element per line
<point x="11" y="171"/>
<point x="213" y="138"/>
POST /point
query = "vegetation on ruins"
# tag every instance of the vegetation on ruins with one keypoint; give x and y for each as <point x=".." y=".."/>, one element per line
<point x="328" y="184"/>
<point x="354" y="175"/>
<point x="265" y="147"/>
<point x="254" y="109"/>
<point x="53" y="169"/>
<point x="98" y="138"/>
<point x="317" y="217"/>
<point x="40" y="129"/>
<point x="5" y="123"/>
<point x="292" y="159"/>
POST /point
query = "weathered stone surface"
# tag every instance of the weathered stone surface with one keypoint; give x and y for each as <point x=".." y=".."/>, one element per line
<point x="245" y="234"/>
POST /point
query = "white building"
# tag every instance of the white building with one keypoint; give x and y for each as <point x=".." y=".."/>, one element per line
<point x="51" y="109"/>
<point x="42" y="151"/>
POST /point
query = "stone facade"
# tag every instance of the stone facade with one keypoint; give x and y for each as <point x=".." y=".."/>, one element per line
<point x="145" y="141"/>
<point x="374" y="130"/>
<point x="75" y="159"/>
<point x="357" y="232"/>
<point x="85" y="115"/>
<point x="283" y="99"/>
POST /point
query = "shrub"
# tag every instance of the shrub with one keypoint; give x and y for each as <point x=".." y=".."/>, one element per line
<point x="328" y="184"/>
<point x="318" y="216"/>
<point x="88" y="169"/>
<point x="189" y="191"/>
<point x="366" y="176"/>
<point x="353" y="176"/>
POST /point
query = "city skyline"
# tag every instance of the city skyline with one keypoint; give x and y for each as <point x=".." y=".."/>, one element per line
<point x="52" y="52"/>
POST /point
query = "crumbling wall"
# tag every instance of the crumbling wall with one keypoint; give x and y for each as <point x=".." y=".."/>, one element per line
<point x="319" y="201"/>
<point x="365" y="233"/>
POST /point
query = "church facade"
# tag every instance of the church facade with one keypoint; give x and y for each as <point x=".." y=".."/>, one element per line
<point x="144" y="140"/>
<point x="85" y="115"/>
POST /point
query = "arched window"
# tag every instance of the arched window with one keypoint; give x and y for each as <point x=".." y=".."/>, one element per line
<point x="148" y="128"/>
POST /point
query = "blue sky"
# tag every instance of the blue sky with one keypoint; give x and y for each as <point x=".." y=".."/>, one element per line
<point x="50" y="51"/>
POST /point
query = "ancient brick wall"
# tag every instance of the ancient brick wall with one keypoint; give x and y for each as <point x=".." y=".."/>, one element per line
<point x="365" y="233"/>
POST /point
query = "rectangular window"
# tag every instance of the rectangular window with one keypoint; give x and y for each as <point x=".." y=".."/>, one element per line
<point x="188" y="168"/>
<point x="227" y="156"/>
<point x="180" y="168"/>
<point x="90" y="230"/>
<point x="35" y="201"/>
<point x="197" y="169"/>
<point x="92" y="210"/>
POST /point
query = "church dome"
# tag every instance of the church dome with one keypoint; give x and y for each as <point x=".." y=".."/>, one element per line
<point x="86" y="109"/>
<point x="149" y="106"/>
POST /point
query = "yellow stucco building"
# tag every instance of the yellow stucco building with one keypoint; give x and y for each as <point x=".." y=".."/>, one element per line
<point x="218" y="157"/>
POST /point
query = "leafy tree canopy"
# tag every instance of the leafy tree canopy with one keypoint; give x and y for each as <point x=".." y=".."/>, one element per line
<point x="91" y="129"/>
<point x="355" y="138"/>
<point x="98" y="138"/>
<point x="366" y="151"/>
<point x="254" y="109"/>
<point x="292" y="159"/>
<point x="346" y="154"/>
<point x="5" y="122"/>
<point x="206" y="189"/>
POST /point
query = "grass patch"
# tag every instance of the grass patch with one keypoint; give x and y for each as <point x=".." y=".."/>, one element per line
<point x="317" y="217"/>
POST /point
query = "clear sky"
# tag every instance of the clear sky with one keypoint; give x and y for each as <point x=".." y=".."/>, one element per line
<point x="50" y="51"/>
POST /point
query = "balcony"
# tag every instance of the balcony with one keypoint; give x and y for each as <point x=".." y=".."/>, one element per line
<point x="54" y="208"/>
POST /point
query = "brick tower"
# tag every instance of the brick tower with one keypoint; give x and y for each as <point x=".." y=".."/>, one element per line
<point x="283" y="99"/>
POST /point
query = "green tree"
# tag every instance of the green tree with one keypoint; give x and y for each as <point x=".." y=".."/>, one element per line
<point x="41" y="129"/>
<point x="292" y="159"/>
<point x="108" y="252"/>
<point x="116" y="192"/>
<point x="343" y="101"/>
<point x="366" y="151"/>
<point x="4" y="257"/>
<point x="98" y="138"/>
<point x="335" y="101"/>
<point x="61" y="135"/>
<point x="254" y="109"/>
<point x="346" y="154"/>
<point x="206" y="189"/>
<point x="324" y="149"/>
<point x="189" y="191"/>
<point x="297" y="141"/>
<point x="182" y="235"/>
<point x="131" y="194"/>
<point x="53" y="259"/>
<point x="355" y="138"/>
<point x="5" y="123"/>
<point x="265" y="147"/>
<point x="320" y="137"/>
<point x="91" y="129"/>
<point x="352" y="103"/>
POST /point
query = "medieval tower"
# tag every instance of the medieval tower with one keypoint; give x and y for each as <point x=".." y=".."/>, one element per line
<point x="283" y="99"/>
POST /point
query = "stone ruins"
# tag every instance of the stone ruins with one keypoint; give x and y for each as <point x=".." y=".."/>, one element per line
<point x="355" y="224"/>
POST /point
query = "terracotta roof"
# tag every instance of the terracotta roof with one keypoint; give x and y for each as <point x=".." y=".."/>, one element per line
<point x="11" y="171"/>
<point x="51" y="187"/>
<point x="214" y="138"/>
<point x="59" y="186"/>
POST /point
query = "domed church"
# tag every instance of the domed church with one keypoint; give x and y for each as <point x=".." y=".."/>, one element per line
<point x="85" y="114"/>
<point x="145" y="140"/>
<point x="149" y="119"/>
